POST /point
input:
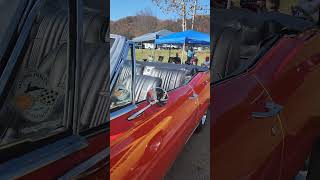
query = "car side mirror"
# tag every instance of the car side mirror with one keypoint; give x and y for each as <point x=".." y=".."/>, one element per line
<point x="157" y="96"/>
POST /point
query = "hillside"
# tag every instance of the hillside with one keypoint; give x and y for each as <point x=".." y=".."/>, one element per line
<point x="133" y="26"/>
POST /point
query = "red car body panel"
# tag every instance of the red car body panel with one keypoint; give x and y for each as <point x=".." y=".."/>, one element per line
<point x="146" y="147"/>
<point x="268" y="148"/>
<point x="58" y="168"/>
<point x="294" y="84"/>
<point x="234" y="132"/>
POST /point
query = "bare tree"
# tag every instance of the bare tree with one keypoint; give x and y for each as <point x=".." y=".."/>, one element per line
<point x="194" y="13"/>
<point x="183" y="8"/>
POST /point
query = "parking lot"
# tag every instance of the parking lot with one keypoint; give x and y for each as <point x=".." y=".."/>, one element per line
<point x="193" y="163"/>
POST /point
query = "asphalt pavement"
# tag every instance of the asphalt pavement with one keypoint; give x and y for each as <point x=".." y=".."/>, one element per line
<point x="193" y="163"/>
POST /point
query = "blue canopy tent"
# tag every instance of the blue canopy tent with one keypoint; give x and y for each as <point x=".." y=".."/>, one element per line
<point x="185" y="37"/>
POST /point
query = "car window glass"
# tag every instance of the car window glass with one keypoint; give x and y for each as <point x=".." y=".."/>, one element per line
<point x="33" y="108"/>
<point x="94" y="77"/>
<point x="122" y="92"/>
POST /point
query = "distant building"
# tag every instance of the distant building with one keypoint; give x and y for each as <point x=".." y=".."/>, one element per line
<point x="146" y="41"/>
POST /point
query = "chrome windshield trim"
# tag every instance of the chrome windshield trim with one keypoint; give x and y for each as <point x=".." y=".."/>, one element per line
<point x="118" y="65"/>
<point x="133" y="87"/>
<point x="120" y="112"/>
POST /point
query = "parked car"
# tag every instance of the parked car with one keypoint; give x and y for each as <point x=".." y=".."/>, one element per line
<point x="53" y="105"/>
<point x="265" y="96"/>
<point x="155" y="108"/>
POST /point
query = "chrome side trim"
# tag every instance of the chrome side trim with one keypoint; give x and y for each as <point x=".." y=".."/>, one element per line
<point x="39" y="158"/>
<point x="74" y="172"/>
<point x="118" y="65"/>
<point x="122" y="111"/>
<point x="133" y="87"/>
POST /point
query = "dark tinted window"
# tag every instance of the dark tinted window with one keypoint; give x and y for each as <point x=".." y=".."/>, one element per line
<point x="94" y="86"/>
<point x="33" y="106"/>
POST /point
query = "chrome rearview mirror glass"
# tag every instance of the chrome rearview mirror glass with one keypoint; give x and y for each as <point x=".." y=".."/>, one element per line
<point x="157" y="96"/>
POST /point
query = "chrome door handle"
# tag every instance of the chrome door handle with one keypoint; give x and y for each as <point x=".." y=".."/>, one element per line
<point x="194" y="96"/>
<point x="273" y="110"/>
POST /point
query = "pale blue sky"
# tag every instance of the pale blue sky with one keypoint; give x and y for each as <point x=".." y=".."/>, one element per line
<point x="123" y="8"/>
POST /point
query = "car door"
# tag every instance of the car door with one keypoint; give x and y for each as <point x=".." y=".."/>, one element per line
<point x="201" y="87"/>
<point x="146" y="146"/>
<point x="292" y="80"/>
<point x="49" y="132"/>
<point x="246" y="144"/>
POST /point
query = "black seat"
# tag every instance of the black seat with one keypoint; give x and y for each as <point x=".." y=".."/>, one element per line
<point x="142" y="85"/>
<point x="171" y="78"/>
<point x="94" y="76"/>
<point x="250" y="39"/>
<point x="47" y="53"/>
<point x="51" y="30"/>
<point x="226" y="58"/>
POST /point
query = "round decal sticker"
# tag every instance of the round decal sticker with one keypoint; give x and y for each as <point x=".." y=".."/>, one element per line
<point x="33" y="98"/>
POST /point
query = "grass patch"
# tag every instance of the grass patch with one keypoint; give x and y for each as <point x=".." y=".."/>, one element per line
<point x="144" y="53"/>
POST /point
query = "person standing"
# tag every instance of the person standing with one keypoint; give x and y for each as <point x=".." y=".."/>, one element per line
<point x="190" y="55"/>
<point x="273" y="5"/>
<point x="194" y="60"/>
<point x="261" y="6"/>
<point x="177" y="59"/>
<point x="206" y="62"/>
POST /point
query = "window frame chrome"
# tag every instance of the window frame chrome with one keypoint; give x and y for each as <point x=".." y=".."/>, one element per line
<point x="129" y="45"/>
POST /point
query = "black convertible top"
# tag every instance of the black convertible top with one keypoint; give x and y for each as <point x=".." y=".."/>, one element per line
<point x="224" y="17"/>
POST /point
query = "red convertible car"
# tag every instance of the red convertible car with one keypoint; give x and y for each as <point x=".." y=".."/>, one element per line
<point x="155" y="108"/>
<point x="54" y="89"/>
<point x="265" y="96"/>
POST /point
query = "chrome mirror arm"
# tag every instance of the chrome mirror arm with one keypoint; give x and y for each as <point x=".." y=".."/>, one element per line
<point x="138" y="113"/>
